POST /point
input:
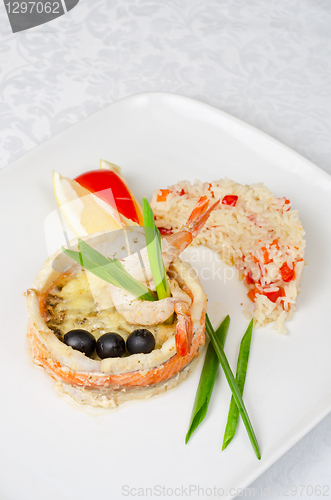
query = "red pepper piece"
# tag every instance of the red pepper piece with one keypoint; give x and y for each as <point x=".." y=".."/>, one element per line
<point x="287" y="273"/>
<point x="164" y="230"/>
<point x="230" y="200"/>
<point x="273" y="296"/>
<point x="249" y="279"/>
<point x="252" y="294"/>
<point x="265" y="255"/>
<point x="163" y="195"/>
<point x="97" y="181"/>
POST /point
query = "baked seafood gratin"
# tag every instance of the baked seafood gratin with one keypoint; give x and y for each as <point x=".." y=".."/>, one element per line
<point x="66" y="297"/>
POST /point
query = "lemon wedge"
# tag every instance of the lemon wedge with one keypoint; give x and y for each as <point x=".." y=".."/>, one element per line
<point x="84" y="211"/>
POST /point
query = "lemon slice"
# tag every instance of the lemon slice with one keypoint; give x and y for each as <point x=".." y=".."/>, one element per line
<point x="85" y="212"/>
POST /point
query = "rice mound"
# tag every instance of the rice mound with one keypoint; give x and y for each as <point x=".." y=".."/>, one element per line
<point x="257" y="232"/>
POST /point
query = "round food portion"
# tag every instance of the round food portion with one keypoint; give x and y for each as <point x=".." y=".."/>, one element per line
<point x="66" y="299"/>
<point x="252" y="229"/>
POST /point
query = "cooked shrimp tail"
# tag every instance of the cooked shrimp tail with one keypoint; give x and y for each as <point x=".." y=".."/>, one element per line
<point x="177" y="242"/>
<point x="143" y="312"/>
<point x="184" y="328"/>
<point x="199" y="215"/>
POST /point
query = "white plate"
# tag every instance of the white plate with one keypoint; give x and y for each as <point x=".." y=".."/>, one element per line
<point x="54" y="447"/>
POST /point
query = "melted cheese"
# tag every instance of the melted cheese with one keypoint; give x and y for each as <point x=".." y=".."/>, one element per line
<point x="76" y="307"/>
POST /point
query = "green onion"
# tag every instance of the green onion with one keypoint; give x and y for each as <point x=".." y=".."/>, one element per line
<point x="207" y="380"/>
<point x="153" y="242"/>
<point x="110" y="270"/>
<point x="243" y="357"/>
<point x="233" y="386"/>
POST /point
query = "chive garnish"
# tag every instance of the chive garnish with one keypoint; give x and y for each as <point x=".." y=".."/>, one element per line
<point x="207" y="380"/>
<point x="233" y="386"/>
<point x="243" y="357"/>
<point x="110" y="270"/>
<point x="154" y="250"/>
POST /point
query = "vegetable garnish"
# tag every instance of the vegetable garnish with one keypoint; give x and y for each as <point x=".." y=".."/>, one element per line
<point x="233" y="386"/>
<point x="243" y="356"/>
<point x="110" y="270"/>
<point x="153" y="242"/>
<point x="207" y="380"/>
<point x="109" y="185"/>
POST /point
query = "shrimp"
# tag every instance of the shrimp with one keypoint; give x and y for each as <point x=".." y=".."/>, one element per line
<point x="172" y="245"/>
<point x="144" y="312"/>
<point x="184" y="326"/>
<point x="141" y="312"/>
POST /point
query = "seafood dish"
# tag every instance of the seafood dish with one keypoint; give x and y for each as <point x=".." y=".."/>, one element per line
<point x="105" y="346"/>
<point x="61" y="300"/>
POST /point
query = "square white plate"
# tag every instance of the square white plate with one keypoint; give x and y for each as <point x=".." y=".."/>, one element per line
<point x="51" y="449"/>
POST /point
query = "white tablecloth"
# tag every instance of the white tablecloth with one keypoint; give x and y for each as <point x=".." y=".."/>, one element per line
<point x="266" y="62"/>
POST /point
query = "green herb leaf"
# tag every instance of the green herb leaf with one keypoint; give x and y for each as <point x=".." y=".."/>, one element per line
<point x="110" y="270"/>
<point x="233" y="386"/>
<point x="153" y="242"/>
<point x="243" y="357"/>
<point x="207" y="380"/>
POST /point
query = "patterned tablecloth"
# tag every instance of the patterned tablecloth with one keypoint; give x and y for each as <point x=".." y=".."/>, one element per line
<point x="266" y="62"/>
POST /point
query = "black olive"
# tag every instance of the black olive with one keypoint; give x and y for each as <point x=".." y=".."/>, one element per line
<point x="140" y="341"/>
<point x="110" y="345"/>
<point x="81" y="340"/>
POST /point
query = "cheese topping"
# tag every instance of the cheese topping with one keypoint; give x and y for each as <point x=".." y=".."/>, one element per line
<point x="71" y="305"/>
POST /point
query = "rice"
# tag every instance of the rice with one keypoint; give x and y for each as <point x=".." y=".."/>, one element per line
<point x="251" y="229"/>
